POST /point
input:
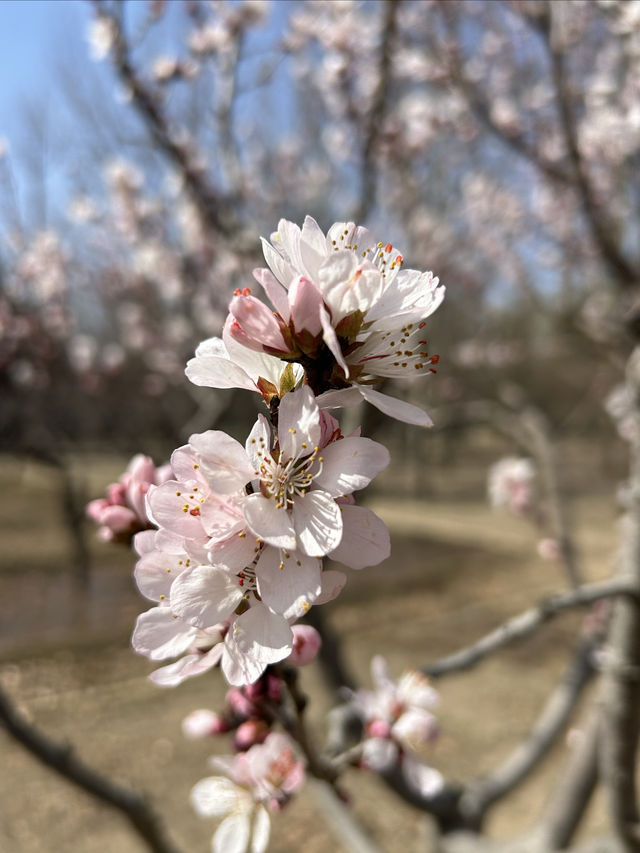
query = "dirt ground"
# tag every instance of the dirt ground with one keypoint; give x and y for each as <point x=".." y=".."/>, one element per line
<point x="457" y="569"/>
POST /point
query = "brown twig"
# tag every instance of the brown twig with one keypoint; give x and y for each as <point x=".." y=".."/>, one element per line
<point x="524" y="623"/>
<point x="61" y="758"/>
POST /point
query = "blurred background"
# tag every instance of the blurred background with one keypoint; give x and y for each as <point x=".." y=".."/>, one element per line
<point x="144" y="149"/>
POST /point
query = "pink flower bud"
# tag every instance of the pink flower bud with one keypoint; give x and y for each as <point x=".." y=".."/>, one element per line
<point x="274" y="688"/>
<point x="306" y="645"/>
<point x="256" y="327"/>
<point x="239" y="704"/>
<point x="379" y="728"/>
<point x="116" y="494"/>
<point x="305" y="301"/>
<point x="202" y="723"/>
<point x="120" y="519"/>
<point x="250" y="733"/>
<point x="549" y="549"/>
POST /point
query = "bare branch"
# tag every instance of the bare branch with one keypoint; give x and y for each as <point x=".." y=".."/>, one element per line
<point x="571" y="795"/>
<point x="621" y="692"/>
<point x="368" y="173"/>
<point x="601" y="230"/>
<point x="480" y="795"/>
<point x="524" y="623"/>
<point x="148" y="104"/>
<point x="61" y="758"/>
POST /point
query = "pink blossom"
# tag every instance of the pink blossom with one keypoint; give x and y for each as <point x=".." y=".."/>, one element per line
<point x="203" y="723"/>
<point x="306" y="645"/>
<point x="258" y="781"/>
<point x="511" y="484"/>
<point x="123" y="512"/>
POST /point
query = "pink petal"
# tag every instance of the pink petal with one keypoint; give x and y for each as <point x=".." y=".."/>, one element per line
<point x="262" y="635"/>
<point x="223" y="460"/>
<point x="332" y="585"/>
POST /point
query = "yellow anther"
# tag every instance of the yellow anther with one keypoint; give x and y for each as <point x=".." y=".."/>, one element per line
<point x="178" y="494"/>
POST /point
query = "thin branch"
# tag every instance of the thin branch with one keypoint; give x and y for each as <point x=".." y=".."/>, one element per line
<point x="375" y="117"/>
<point x="601" y="230"/>
<point x="61" y="758"/>
<point x="570" y="796"/>
<point x="524" y="623"/>
<point x="480" y="795"/>
<point x="147" y="102"/>
<point x="621" y="690"/>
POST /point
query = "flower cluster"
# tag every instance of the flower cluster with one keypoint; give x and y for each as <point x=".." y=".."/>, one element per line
<point x="242" y="533"/>
<point x="255" y="783"/>
<point x="232" y="536"/>
<point x="345" y="311"/>
<point x="124" y="512"/>
<point x="397" y="720"/>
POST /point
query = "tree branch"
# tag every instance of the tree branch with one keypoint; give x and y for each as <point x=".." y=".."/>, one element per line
<point x="60" y="758"/>
<point x="524" y="623"/>
<point x="480" y="795"/>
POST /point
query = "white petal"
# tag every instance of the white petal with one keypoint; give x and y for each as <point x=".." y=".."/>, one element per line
<point x="261" y="830"/>
<point x="344" y="398"/>
<point x="233" y="553"/>
<point x="238" y="668"/>
<point x="156" y="571"/>
<point x="365" y="540"/>
<point x="350" y="464"/>
<point x="205" y="595"/>
<point x="159" y="634"/>
<point x="269" y="523"/>
<point x="331" y="340"/>
<point x="332" y="585"/>
<point x="426" y="780"/>
<point x="223" y="459"/>
<point x="288" y="582"/>
<point x="395" y="408"/>
<point x="258" y="441"/>
<point x="232" y="836"/>
<point x="318" y="523"/>
<point x="262" y="635"/>
<point x="298" y="423"/>
<point x="166" y="507"/>
<point x="216" y="796"/>
<point x="176" y="673"/>
<point x="280" y="268"/>
<point x="215" y="372"/>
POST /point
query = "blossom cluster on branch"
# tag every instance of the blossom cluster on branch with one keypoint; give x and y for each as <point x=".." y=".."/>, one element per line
<point x="232" y="536"/>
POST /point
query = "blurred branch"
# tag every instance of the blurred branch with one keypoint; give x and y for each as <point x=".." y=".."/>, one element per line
<point x="601" y="230"/>
<point x="147" y="103"/>
<point x="61" y="758"/>
<point x="571" y="794"/>
<point x="621" y="690"/>
<point x="524" y="623"/>
<point x="482" y="109"/>
<point x="375" y="117"/>
<point x="480" y="795"/>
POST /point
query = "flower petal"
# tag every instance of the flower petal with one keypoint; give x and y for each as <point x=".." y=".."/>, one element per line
<point x="159" y="634"/>
<point x="272" y="525"/>
<point x="395" y="408"/>
<point x="261" y="830"/>
<point x="205" y="595"/>
<point x="176" y="673"/>
<point x="350" y="464"/>
<point x="232" y="836"/>
<point x="298" y="423"/>
<point x="365" y="540"/>
<point x="216" y="796"/>
<point x="223" y="460"/>
<point x="288" y="582"/>
<point x="262" y="635"/>
<point x="318" y="523"/>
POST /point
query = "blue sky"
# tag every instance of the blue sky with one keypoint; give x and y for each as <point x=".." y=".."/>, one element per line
<point x="31" y="35"/>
